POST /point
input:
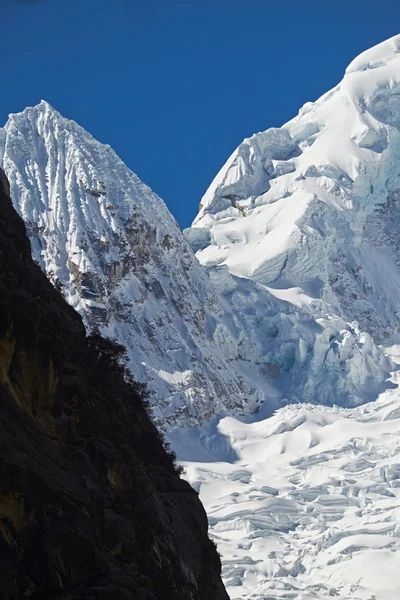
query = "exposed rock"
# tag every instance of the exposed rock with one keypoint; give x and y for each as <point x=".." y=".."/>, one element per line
<point x="91" y="505"/>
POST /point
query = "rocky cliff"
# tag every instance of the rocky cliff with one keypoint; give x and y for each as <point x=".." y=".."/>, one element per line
<point x="91" y="505"/>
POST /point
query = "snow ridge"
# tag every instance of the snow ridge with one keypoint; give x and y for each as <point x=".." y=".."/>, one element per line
<point x="298" y="240"/>
<point x="304" y="504"/>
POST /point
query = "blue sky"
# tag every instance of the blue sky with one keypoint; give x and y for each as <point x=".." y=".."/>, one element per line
<point x="175" y="86"/>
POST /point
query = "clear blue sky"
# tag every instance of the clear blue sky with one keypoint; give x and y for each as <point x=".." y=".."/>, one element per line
<point x="174" y="86"/>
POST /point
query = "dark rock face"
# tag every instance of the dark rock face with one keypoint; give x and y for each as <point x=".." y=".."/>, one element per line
<point x="90" y="503"/>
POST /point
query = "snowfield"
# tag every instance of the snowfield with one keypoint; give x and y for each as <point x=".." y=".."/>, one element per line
<point x="304" y="504"/>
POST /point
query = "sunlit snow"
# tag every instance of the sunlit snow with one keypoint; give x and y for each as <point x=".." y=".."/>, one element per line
<point x="204" y="338"/>
<point x="304" y="504"/>
<point x="314" y="205"/>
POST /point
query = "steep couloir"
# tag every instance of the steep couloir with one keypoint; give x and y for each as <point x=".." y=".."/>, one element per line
<point x="91" y="505"/>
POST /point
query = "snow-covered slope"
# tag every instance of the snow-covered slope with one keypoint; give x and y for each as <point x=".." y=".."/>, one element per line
<point x="122" y="261"/>
<point x="304" y="505"/>
<point x="295" y="236"/>
<point x="315" y="204"/>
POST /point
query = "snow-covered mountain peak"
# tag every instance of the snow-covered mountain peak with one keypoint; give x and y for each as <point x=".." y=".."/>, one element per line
<point x="42" y="107"/>
<point x="306" y="135"/>
<point x="119" y="256"/>
<point x="41" y="128"/>
<point x="353" y="103"/>
<point x="307" y="205"/>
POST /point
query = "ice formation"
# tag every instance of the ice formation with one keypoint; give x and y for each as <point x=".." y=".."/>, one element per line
<point x="315" y="205"/>
<point x="304" y="505"/>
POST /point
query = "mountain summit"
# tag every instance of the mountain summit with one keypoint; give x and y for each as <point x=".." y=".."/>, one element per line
<point x="315" y="204"/>
<point x="111" y="245"/>
<point x="278" y="296"/>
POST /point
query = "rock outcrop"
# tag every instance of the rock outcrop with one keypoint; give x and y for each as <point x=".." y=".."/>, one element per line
<point x="91" y="505"/>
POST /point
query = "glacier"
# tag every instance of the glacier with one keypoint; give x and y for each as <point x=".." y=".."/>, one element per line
<point x="303" y="505"/>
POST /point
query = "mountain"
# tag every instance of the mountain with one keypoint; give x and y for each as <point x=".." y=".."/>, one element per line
<point x="281" y="293"/>
<point x="314" y="205"/>
<point x="110" y="243"/>
<point x="91" y="504"/>
<point x="205" y="338"/>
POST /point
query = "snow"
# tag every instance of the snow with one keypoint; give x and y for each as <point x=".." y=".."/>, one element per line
<point x="303" y="504"/>
<point x="263" y="351"/>
<point x="123" y="263"/>
<point x="227" y="335"/>
<point x="316" y="201"/>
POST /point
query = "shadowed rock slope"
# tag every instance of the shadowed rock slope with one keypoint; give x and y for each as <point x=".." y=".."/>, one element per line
<point x="90" y="503"/>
